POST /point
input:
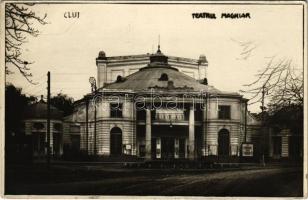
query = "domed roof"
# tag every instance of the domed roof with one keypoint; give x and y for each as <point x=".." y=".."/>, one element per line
<point x="161" y="76"/>
<point x="102" y="55"/>
<point x="39" y="111"/>
<point x="202" y="58"/>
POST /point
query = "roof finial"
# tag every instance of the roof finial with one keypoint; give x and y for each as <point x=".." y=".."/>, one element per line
<point x="42" y="98"/>
<point x="158" y="51"/>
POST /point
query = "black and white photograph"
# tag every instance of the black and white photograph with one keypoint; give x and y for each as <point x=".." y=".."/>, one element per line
<point x="158" y="99"/>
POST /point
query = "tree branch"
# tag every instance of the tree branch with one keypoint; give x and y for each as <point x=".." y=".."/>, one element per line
<point x="19" y="24"/>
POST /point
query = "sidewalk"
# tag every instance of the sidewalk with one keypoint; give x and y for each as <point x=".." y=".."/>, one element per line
<point x="139" y="166"/>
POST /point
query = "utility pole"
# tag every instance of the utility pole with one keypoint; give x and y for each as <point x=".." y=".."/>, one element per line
<point x="263" y="127"/>
<point x="95" y="90"/>
<point x="245" y="117"/>
<point x="262" y="101"/>
<point x="205" y="123"/>
<point x="95" y="124"/>
<point x="48" y="118"/>
<point x="87" y="125"/>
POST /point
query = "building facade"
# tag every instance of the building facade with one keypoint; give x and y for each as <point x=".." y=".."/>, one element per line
<point x="159" y="107"/>
<point x="35" y="130"/>
<point x="285" y="144"/>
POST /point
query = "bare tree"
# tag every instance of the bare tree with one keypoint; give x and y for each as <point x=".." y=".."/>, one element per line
<point x="19" y="24"/>
<point x="247" y="48"/>
<point x="280" y="82"/>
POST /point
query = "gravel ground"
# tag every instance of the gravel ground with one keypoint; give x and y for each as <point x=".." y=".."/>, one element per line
<point x="272" y="182"/>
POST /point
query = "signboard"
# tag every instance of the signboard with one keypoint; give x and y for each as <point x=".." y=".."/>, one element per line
<point x="247" y="150"/>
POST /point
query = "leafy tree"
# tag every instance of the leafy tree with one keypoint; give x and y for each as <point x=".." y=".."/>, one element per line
<point x="15" y="104"/>
<point x="19" y="24"/>
<point x="63" y="103"/>
<point x="289" y="116"/>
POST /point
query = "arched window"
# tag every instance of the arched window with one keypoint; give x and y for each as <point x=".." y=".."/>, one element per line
<point x="115" y="141"/>
<point x="58" y="127"/>
<point x="38" y="125"/>
<point x="223" y="142"/>
<point x="120" y="79"/>
<point x="163" y="77"/>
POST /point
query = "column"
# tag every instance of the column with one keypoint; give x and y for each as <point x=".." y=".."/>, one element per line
<point x="270" y="143"/>
<point x="204" y="130"/>
<point x="46" y="144"/>
<point x="158" y="147"/>
<point x="285" y="146"/>
<point x="61" y="143"/>
<point x="132" y="109"/>
<point x="102" y="72"/>
<point x="37" y="140"/>
<point x="191" y="134"/>
<point x="148" y="134"/>
<point x="186" y="149"/>
<point x="51" y="139"/>
<point x="176" y="147"/>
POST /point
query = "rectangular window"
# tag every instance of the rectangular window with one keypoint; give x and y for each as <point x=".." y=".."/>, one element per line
<point x="75" y="129"/>
<point x="142" y="150"/>
<point x="224" y="112"/>
<point x="116" y="110"/>
<point x="141" y="115"/>
<point x="277" y="146"/>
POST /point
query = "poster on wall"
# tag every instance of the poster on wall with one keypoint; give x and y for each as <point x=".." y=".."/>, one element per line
<point x="247" y="150"/>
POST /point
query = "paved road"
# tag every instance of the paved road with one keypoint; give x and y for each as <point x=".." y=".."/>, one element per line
<point x="258" y="182"/>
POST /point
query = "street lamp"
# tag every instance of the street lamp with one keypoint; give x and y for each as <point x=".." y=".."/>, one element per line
<point x="93" y="89"/>
<point x="93" y="83"/>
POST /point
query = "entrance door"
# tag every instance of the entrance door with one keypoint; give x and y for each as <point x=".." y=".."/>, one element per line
<point x="56" y="144"/>
<point x="295" y="147"/>
<point x="115" y="141"/>
<point x="167" y="148"/>
<point x="223" y="143"/>
<point x="39" y="144"/>
<point x="277" y="147"/>
<point x="153" y="148"/>
<point x="182" y="148"/>
<point x="75" y="139"/>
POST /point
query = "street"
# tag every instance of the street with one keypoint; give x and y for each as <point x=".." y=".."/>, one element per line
<point x="272" y="181"/>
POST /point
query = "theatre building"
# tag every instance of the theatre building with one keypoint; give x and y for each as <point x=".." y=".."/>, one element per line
<point x="156" y="107"/>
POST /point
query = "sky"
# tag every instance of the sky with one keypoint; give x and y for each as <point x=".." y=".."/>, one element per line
<point x="68" y="47"/>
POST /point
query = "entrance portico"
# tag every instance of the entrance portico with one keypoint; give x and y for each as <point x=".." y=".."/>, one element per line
<point x="169" y="137"/>
<point x="169" y="142"/>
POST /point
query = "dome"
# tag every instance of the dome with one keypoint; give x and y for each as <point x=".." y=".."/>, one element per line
<point x="160" y="75"/>
<point x="39" y="111"/>
<point x="202" y="58"/>
<point x="166" y="78"/>
<point x="101" y="54"/>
